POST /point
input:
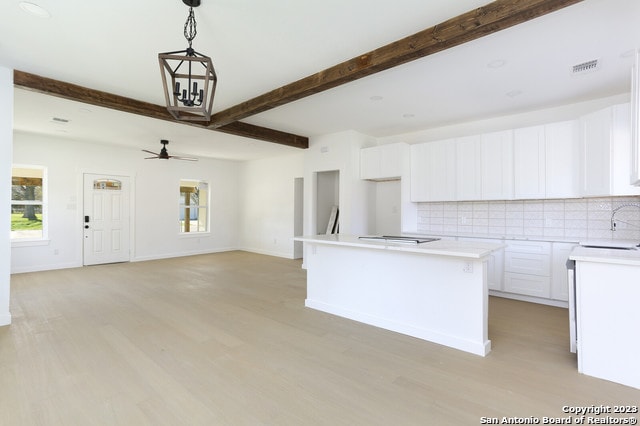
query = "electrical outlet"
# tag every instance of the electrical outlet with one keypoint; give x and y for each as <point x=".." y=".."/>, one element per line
<point x="468" y="267"/>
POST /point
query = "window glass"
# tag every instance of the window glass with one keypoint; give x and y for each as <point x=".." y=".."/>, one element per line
<point x="194" y="206"/>
<point x="28" y="209"/>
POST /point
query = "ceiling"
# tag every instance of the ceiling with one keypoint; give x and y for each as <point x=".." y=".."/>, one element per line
<point x="257" y="46"/>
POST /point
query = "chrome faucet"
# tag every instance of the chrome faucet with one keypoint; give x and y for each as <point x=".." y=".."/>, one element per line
<point x="613" y="214"/>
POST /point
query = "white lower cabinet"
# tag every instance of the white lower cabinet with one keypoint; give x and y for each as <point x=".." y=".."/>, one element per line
<point x="528" y="268"/>
<point x="535" y="271"/>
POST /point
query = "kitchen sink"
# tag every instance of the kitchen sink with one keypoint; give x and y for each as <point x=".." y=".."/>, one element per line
<point x="611" y="244"/>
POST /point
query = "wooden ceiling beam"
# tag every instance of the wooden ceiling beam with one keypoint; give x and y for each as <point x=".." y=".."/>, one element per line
<point x="488" y="19"/>
<point x="120" y="103"/>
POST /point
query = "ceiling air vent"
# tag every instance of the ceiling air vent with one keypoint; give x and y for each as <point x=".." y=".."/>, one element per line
<point x="60" y="120"/>
<point x="585" y="67"/>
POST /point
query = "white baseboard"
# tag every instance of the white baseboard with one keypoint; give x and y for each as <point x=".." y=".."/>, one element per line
<point x="40" y="268"/>
<point x="540" y="300"/>
<point x="182" y="254"/>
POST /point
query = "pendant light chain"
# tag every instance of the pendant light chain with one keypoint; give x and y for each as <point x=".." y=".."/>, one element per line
<point x="190" y="31"/>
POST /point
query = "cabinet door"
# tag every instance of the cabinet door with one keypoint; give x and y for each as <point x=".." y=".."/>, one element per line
<point x="391" y="160"/>
<point x="529" y="163"/>
<point x="442" y="171"/>
<point x="382" y="162"/>
<point x="596" y="153"/>
<point x="370" y="163"/>
<point x="419" y="173"/>
<point x="621" y="175"/>
<point x="496" y="156"/>
<point x="606" y="152"/>
<point x="433" y="171"/>
<point x="468" y="175"/>
<point x="562" y="160"/>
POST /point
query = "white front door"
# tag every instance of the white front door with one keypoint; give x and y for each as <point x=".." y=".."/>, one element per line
<point x="106" y="219"/>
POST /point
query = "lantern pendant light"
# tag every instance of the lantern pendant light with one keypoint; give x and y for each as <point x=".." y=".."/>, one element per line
<point x="188" y="77"/>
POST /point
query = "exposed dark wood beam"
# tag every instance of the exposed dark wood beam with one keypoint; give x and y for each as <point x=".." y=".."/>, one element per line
<point x="493" y="17"/>
<point x="108" y="100"/>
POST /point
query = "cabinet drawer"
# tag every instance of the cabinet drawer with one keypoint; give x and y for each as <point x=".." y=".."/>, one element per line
<point x="541" y="247"/>
<point x="530" y="285"/>
<point x="528" y="263"/>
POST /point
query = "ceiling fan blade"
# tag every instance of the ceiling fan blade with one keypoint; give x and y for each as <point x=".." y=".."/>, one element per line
<point x="151" y="158"/>
<point x="150" y="152"/>
<point x="183" y="158"/>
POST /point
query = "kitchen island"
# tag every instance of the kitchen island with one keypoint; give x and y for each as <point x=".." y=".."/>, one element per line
<point x="608" y="314"/>
<point x="436" y="290"/>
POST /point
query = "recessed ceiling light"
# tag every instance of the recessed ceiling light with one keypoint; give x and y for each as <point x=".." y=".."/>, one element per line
<point x="376" y="98"/>
<point x="34" y="9"/>
<point x="497" y="63"/>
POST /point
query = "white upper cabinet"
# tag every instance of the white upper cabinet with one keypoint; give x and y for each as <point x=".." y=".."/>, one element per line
<point x="468" y="175"/>
<point x="382" y="162"/>
<point x="588" y="157"/>
<point x="562" y="159"/>
<point x="529" y="162"/>
<point x="546" y="161"/>
<point x="496" y="168"/>
<point x="605" y="142"/>
<point x="419" y="172"/>
<point x="433" y="171"/>
<point x="442" y="175"/>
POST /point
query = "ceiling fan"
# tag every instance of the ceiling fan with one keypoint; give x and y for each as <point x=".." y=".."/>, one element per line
<point x="164" y="154"/>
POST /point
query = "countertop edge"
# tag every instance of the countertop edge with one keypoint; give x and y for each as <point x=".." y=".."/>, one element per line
<point x="605" y="255"/>
<point x="462" y="249"/>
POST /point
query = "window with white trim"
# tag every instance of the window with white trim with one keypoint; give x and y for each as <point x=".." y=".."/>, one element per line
<point x="28" y="203"/>
<point x="194" y="206"/>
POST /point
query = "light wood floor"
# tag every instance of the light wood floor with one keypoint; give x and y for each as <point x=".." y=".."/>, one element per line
<point x="225" y="339"/>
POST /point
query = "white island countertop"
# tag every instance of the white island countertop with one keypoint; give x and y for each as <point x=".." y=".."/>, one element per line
<point x="464" y="249"/>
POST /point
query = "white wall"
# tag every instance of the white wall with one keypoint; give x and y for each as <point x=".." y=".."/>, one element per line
<point x="341" y="152"/>
<point x="6" y="136"/>
<point x="267" y="208"/>
<point x="155" y="183"/>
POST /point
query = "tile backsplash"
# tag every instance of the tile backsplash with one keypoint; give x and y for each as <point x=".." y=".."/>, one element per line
<point x="581" y="218"/>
